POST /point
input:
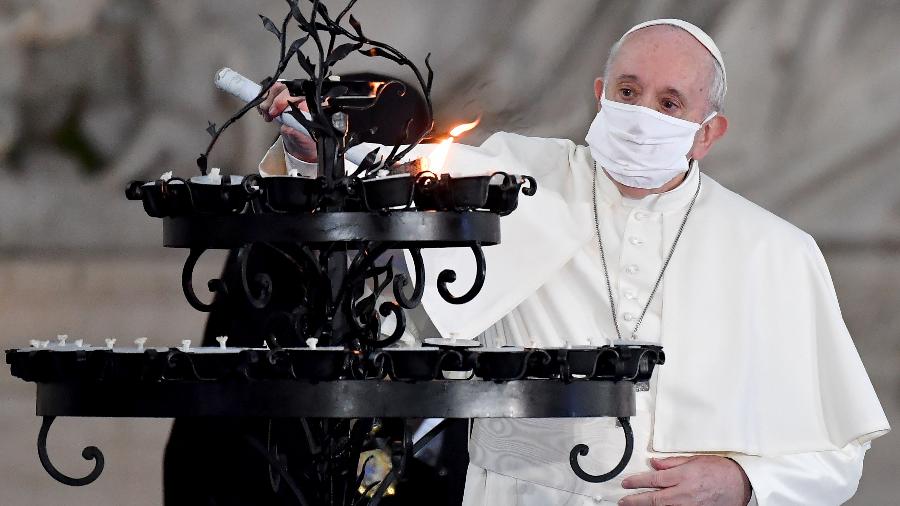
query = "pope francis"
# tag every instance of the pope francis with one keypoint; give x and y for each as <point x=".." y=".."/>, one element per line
<point x="763" y="399"/>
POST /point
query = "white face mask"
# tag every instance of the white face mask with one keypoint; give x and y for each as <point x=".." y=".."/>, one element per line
<point x="638" y="146"/>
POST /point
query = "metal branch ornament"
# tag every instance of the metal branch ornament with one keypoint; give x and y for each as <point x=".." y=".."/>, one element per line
<point x="317" y="24"/>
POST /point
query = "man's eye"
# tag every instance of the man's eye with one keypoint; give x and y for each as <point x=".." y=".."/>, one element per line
<point x="626" y="92"/>
<point x="669" y="105"/>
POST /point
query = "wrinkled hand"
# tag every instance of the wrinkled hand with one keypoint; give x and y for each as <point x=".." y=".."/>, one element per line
<point x="703" y="480"/>
<point x="278" y="99"/>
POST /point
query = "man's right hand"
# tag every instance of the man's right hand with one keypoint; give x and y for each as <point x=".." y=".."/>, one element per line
<point x="297" y="144"/>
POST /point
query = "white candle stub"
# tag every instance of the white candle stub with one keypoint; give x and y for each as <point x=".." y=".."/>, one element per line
<point x="312" y="342"/>
<point x="166" y="175"/>
<point x="185" y="345"/>
<point x="34" y="343"/>
<point x="45" y="344"/>
<point x="222" y="340"/>
<point x="79" y="343"/>
<point x="61" y="339"/>
<point x="110" y="342"/>
<point x="140" y="342"/>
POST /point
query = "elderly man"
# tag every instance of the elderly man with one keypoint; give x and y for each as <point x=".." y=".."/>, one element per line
<point x="763" y="399"/>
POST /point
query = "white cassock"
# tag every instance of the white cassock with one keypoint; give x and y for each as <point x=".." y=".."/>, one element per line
<point x="760" y="366"/>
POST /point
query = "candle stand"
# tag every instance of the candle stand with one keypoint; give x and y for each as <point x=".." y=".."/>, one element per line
<point x="329" y="342"/>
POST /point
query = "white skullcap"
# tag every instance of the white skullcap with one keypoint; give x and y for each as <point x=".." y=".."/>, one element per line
<point x="701" y="36"/>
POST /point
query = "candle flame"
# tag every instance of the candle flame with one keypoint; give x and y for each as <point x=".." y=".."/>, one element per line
<point x="439" y="156"/>
<point x="374" y="86"/>
<point x="465" y="127"/>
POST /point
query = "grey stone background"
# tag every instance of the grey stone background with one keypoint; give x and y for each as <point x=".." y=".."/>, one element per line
<point x="94" y="93"/>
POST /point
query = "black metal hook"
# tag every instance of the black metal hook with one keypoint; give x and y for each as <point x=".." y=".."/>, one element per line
<point x="448" y="276"/>
<point x="582" y="449"/>
<point x="187" y="285"/>
<point x="89" y="453"/>
<point x="401" y="280"/>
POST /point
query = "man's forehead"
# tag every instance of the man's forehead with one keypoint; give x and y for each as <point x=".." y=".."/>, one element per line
<point x="662" y="53"/>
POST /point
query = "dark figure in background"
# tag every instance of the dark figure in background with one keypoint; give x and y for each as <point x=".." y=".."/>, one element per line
<point x="211" y="461"/>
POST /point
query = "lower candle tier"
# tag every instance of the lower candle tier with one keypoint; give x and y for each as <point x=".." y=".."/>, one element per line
<point x="341" y="399"/>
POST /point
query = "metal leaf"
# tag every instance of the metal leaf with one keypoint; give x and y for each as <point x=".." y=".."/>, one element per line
<point x="356" y="26"/>
<point x="306" y="65"/>
<point x="341" y="52"/>
<point x="211" y="129"/>
<point x="378" y="52"/>
<point x="295" y="46"/>
<point x="322" y="9"/>
<point x="296" y="13"/>
<point x="270" y="26"/>
<point x="369" y="162"/>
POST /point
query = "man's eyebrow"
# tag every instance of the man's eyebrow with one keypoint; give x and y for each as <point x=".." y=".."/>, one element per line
<point x="674" y="91"/>
<point x="628" y="77"/>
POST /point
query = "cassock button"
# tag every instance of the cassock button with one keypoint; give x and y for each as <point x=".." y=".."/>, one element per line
<point x="640" y="216"/>
<point x="632" y="269"/>
<point x="630" y="294"/>
<point x="629" y="317"/>
<point x="637" y="241"/>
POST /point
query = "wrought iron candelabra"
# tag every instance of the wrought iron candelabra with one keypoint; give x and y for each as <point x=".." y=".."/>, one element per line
<point x="325" y="347"/>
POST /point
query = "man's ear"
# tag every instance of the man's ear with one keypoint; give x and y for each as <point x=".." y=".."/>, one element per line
<point x="708" y="134"/>
<point x="598" y="90"/>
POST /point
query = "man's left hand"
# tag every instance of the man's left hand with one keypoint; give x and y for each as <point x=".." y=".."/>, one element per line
<point x="705" y="480"/>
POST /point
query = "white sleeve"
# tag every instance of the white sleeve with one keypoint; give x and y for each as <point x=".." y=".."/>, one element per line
<point x="277" y="161"/>
<point x="820" y="478"/>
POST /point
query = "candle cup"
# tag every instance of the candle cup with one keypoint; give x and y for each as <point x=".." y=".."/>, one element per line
<point x="217" y="197"/>
<point x="470" y="192"/>
<point x="429" y="193"/>
<point x="292" y="194"/>
<point x="409" y="364"/>
<point x="320" y="364"/>
<point x="166" y="198"/>
<point x="388" y="191"/>
<point x="502" y="364"/>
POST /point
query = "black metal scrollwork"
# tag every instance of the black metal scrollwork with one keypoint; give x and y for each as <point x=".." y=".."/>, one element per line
<point x="582" y="449"/>
<point x="89" y="453"/>
<point x="187" y="285"/>
<point x="401" y="280"/>
<point x="262" y="282"/>
<point x="448" y="276"/>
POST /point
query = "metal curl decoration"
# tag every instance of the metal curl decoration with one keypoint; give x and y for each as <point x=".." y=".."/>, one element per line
<point x="177" y="359"/>
<point x="532" y="186"/>
<point x="386" y="309"/>
<point x="582" y="449"/>
<point x="187" y="284"/>
<point x="88" y="453"/>
<point x="262" y="281"/>
<point x="401" y="280"/>
<point x="449" y="276"/>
